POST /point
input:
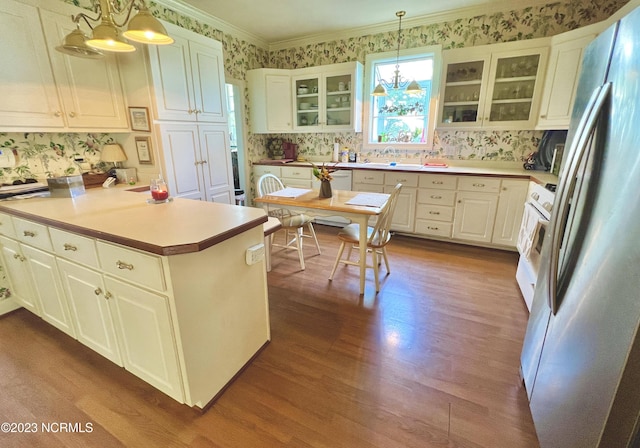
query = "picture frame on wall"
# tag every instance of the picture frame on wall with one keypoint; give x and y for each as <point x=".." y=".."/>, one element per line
<point x="139" y="117"/>
<point x="143" y="148"/>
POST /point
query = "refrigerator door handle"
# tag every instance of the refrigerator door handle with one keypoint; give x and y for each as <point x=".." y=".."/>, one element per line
<point x="579" y="146"/>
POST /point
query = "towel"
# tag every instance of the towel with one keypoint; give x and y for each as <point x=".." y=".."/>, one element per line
<point x="531" y="222"/>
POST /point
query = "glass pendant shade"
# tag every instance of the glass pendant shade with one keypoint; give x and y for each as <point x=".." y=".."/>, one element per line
<point x="75" y="44"/>
<point x="146" y="29"/>
<point x="413" y="87"/>
<point x="379" y="91"/>
<point x="106" y="37"/>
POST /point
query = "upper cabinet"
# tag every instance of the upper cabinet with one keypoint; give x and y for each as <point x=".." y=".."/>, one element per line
<point x="90" y="89"/>
<point x="561" y="80"/>
<point x="493" y="87"/>
<point x="270" y="98"/>
<point x="315" y="99"/>
<point x="189" y="78"/>
<point x="328" y="98"/>
<point x="44" y="90"/>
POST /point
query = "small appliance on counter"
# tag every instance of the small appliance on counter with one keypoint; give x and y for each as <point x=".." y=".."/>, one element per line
<point x="547" y="158"/>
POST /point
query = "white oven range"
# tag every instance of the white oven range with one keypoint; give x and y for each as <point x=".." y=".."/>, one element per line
<point x="534" y="225"/>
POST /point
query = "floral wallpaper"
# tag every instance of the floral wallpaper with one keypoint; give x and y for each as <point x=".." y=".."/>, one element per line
<point x="41" y="155"/>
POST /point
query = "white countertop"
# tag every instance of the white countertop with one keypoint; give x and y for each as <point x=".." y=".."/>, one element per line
<point x="121" y="216"/>
<point x="462" y="169"/>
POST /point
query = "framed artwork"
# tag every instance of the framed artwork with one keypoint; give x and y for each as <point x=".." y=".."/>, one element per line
<point x="143" y="148"/>
<point x="139" y="117"/>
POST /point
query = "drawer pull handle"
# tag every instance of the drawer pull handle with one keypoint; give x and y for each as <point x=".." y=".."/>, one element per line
<point x="29" y="233"/>
<point x="479" y="185"/>
<point x="434" y="213"/>
<point x="70" y="247"/>
<point x="433" y="196"/>
<point x="97" y="291"/>
<point x="437" y="182"/>
<point x="18" y="257"/>
<point x="108" y="295"/>
<point x="433" y="228"/>
<point x="122" y="265"/>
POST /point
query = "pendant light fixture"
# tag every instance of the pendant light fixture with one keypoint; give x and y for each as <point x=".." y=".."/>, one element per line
<point x="107" y="35"/>
<point x="398" y="81"/>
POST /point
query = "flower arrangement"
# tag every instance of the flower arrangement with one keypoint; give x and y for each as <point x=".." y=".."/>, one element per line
<point x="323" y="173"/>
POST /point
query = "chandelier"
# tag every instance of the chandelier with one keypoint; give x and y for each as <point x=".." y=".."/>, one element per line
<point x="398" y="81"/>
<point x="106" y="36"/>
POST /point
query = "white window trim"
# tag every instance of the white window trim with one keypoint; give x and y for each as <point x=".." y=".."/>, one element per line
<point x="390" y="56"/>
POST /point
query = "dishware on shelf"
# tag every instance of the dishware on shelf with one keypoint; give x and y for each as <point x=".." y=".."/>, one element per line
<point x="302" y="89"/>
<point x="305" y="106"/>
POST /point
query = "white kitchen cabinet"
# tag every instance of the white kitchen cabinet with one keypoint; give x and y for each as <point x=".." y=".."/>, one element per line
<point x="513" y="194"/>
<point x="89" y="305"/>
<point x="297" y="176"/>
<point x="404" y="215"/>
<point x="188" y="78"/>
<point x="474" y="216"/>
<point x="493" y="86"/>
<point x="90" y="89"/>
<point x="270" y="100"/>
<point x="48" y="289"/>
<point x="368" y="180"/>
<point x="144" y="331"/>
<point x="27" y="87"/>
<point x="435" y="205"/>
<point x="197" y="159"/>
<point x="561" y="80"/>
<point x="18" y="275"/>
<point x="328" y="98"/>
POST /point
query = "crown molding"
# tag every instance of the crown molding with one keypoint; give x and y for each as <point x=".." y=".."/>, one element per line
<point x="225" y="27"/>
<point x="429" y="19"/>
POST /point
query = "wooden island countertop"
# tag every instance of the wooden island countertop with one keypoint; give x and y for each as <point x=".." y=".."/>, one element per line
<point x="123" y="216"/>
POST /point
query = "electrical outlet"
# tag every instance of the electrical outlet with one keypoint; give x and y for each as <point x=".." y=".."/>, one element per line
<point x="255" y="254"/>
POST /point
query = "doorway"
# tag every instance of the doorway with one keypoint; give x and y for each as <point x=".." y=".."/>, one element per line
<point x="235" y="99"/>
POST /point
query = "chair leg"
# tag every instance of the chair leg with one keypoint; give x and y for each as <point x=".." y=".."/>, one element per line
<point x="298" y="239"/>
<point x="335" y="265"/>
<point x="386" y="260"/>
<point x="374" y="263"/>
<point x="313" y="234"/>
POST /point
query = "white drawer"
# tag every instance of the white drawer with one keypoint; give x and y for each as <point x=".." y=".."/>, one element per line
<point x="436" y="197"/>
<point x="6" y="226"/>
<point x="32" y="233"/>
<point x="74" y="247"/>
<point x="480" y="184"/>
<point x="297" y="183"/>
<point x="296" y="172"/>
<point x="259" y="170"/>
<point x="128" y="264"/>
<point x="434" y="212"/>
<point x="371" y="188"/>
<point x="368" y="177"/>
<point x="435" y="228"/>
<point x="439" y="181"/>
<point x="406" y="179"/>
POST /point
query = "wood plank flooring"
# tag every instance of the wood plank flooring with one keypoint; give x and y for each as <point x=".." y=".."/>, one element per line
<point x="430" y="361"/>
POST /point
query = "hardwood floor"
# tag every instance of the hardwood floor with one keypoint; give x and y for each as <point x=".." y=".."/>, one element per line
<point x="430" y="361"/>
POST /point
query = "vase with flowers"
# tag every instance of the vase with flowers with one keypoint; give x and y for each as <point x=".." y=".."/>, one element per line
<point x="323" y="174"/>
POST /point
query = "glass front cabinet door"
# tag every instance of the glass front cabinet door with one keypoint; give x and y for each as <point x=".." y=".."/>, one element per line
<point x="492" y="90"/>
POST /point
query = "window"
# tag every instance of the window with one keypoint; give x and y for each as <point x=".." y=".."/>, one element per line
<point x="401" y="119"/>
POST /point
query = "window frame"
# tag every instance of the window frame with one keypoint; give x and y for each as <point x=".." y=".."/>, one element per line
<point x="435" y="51"/>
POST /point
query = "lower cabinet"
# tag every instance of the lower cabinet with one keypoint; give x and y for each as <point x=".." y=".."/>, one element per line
<point x="474" y="216"/>
<point x="404" y="216"/>
<point x="513" y="195"/>
<point x="18" y="275"/>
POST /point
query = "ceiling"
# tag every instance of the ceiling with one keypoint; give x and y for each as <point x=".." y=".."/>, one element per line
<point x="280" y="20"/>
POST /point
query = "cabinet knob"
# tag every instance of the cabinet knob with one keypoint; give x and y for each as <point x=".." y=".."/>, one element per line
<point x="203" y="162"/>
<point x="72" y="114"/>
<point x="123" y="265"/>
<point x="29" y="233"/>
<point x="190" y="111"/>
<point x="57" y="113"/>
<point x="97" y="291"/>
<point x="70" y="247"/>
<point x="18" y="257"/>
<point x="108" y="295"/>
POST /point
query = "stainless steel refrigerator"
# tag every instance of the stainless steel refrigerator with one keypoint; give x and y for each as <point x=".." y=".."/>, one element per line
<point x="581" y="355"/>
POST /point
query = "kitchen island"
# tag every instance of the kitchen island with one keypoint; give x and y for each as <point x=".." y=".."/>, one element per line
<point x="163" y="290"/>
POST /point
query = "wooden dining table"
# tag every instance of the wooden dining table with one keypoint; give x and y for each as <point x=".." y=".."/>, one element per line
<point x="341" y="203"/>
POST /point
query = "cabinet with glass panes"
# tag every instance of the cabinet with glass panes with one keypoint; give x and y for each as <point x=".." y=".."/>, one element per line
<point x="487" y="88"/>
